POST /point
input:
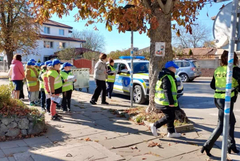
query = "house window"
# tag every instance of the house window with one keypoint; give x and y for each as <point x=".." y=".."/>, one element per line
<point x="61" y="31"/>
<point x="48" y="44"/>
<point x="62" y="45"/>
<point x="46" y="30"/>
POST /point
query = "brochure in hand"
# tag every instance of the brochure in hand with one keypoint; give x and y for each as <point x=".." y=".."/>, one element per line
<point x="56" y="99"/>
<point x="71" y="78"/>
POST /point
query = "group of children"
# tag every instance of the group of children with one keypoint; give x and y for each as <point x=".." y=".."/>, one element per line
<point x="47" y="81"/>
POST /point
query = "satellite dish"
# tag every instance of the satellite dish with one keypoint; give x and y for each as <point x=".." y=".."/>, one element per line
<point x="221" y="26"/>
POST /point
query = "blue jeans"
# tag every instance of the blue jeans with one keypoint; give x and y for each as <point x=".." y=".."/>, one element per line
<point x="110" y="89"/>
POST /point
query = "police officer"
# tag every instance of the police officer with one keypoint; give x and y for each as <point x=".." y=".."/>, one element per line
<point x="111" y="77"/>
<point x="166" y="99"/>
<point x="218" y="83"/>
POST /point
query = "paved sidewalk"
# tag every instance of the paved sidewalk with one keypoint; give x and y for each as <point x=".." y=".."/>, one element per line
<point x="3" y="75"/>
<point x="92" y="133"/>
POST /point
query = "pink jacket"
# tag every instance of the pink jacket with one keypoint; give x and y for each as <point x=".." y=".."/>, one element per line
<point x="17" y="70"/>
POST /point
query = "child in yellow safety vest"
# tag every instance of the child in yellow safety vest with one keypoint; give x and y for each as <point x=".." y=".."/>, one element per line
<point x="67" y="87"/>
<point x="44" y="78"/>
<point x="32" y="83"/>
<point x="42" y="91"/>
<point x="38" y="68"/>
<point x="55" y="86"/>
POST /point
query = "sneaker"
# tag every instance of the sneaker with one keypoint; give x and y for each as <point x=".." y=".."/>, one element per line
<point x="43" y="110"/>
<point x="32" y="104"/>
<point x="55" y="118"/>
<point x="174" y="135"/>
<point x="105" y="103"/>
<point x="57" y="115"/>
<point x="93" y="103"/>
<point x="153" y="130"/>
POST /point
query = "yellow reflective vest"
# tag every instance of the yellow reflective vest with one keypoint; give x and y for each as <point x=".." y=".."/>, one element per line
<point x="220" y="75"/>
<point x="111" y="78"/>
<point x="160" y="97"/>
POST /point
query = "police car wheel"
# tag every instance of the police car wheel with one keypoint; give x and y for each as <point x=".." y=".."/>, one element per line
<point x="138" y="94"/>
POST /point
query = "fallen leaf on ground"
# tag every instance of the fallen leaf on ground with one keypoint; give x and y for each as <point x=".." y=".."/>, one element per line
<point x="69" y="155"/>
<point x="55" y="142"/>
<point x="169" y="144"/>
<point x="183" y="134"/>
<point x="153" y="144"/>
<point x="144" y="158"/>
<point x="134" y="147"/>
<point x="87" y="139"/>
<point x="106" y="138"/>
<point x="96" y="141"/>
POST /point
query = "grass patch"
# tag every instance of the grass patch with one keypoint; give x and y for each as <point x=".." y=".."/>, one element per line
<point x="139" y="115"/>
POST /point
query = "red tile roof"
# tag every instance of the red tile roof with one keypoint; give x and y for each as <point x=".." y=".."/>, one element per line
<point x="57" y="24"/>
<point x="80" y="51"/>
<point x="61" y="38"/>
<point x="200" y="51"/>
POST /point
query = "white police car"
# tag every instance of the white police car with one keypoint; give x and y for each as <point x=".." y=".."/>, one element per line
<point x="140" y="78"/>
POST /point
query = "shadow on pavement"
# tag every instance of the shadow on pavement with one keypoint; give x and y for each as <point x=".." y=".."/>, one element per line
<point x="194" y="102"/>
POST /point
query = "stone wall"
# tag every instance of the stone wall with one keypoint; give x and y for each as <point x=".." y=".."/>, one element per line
<point x="13" y="126"/>
<point x="208" y="66"/>
<point x="207" y="72"/>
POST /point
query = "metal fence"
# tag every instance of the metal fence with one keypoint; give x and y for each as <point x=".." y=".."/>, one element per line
<point x="3" y="66"/>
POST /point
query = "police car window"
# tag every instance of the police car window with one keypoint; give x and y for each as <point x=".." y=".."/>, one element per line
<point x="115" y="65"/>
<point x="140" y="67"/>
<point x="122" y="67"/>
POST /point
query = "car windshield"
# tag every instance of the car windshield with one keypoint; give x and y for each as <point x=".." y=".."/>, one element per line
<point x="195" y="64"/>
<point x="140" y="67"/>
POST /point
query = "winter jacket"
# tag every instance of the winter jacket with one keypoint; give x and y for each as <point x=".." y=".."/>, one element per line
<point x="17" y="70"/>
<point x="29" y="78"/>
<point x="166" y="84"/>
<point x="100" y="71"/>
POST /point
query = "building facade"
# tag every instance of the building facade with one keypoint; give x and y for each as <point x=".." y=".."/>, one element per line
<point x="53" y="38"/>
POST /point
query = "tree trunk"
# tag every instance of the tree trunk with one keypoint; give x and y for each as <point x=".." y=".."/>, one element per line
<point x="9" y="54"/>
<point x="161" y="34"/>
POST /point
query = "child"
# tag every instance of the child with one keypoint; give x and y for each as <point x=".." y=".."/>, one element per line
<point x="44" y="77"/>
<point x="67" y="87"/>
<point x="32" y="83"/>
<point x="55" y="86"/>
<point x="42" y="91"/>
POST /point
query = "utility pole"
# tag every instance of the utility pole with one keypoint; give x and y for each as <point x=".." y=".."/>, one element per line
<point x="229" y="79"/>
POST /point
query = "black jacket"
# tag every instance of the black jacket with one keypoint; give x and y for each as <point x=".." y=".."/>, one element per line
<point x="166" y="84"/>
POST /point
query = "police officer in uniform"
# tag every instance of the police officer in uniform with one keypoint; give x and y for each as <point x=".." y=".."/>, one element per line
<point x="218" y="83"/>
<point x="111" y="77"/>
<point x="166" y="99"/>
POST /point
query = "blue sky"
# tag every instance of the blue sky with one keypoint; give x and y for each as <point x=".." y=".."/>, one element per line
<point x="115" y="41"/>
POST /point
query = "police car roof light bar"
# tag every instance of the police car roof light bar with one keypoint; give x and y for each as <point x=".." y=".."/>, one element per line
<point x="129" y="57"/>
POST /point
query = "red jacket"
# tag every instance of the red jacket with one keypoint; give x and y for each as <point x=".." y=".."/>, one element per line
<point x="17" y="70"/>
